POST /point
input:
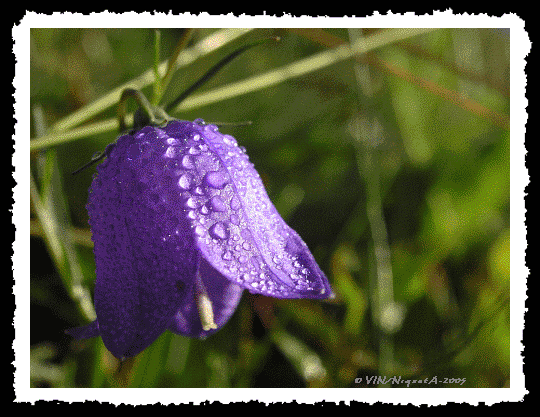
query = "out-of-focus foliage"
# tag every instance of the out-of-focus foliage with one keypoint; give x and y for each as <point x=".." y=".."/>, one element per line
<point x="394" y="169"/>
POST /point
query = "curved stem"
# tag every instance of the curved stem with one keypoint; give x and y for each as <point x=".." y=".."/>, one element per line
<point x="155" y="115"/>
<point x="214" y="70"/>
<point x="141" y="100"/>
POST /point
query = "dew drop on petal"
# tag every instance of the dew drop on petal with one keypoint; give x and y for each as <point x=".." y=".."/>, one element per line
<point x="191" y="203"/>
<point x="235" y="203"/>
<point x="216" y="179"/>
<point x="199" y="230"/>
<point x="185" y="182"/>
<point x="219" y="230"/>
<point x="218" y="204"/>
<point x="188" y="162"/>
<point x="237" y="164"/>
<point x="170" y="152"/>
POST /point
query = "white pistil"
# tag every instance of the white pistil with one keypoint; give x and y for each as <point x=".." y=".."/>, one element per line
<point x="204" y="305"/>
<point x="205" y="312"/>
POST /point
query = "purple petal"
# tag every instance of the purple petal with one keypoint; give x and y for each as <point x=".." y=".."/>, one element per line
<point x="142" y="243"/>
<point x="236" y="226"/>
<point x="84" y="332"/>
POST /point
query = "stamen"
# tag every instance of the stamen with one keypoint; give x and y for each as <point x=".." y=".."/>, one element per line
<point x="204" y="305"/>
<point x="205" y="312"/>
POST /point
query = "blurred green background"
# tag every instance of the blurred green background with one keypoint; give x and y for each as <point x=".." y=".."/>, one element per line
<point x="394" y="169"/>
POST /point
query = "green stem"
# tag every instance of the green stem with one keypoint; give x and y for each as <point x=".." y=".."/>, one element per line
<point x="171" y="66"/>
<point x="157" y="78"/>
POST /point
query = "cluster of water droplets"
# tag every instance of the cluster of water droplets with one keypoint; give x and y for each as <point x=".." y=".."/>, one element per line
<point x="192" y="171"/>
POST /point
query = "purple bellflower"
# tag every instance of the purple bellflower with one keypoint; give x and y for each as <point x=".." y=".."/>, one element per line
<point x="181" y="225"/>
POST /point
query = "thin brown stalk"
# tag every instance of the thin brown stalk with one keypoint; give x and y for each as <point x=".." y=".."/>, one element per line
<point x="472" y="106"/>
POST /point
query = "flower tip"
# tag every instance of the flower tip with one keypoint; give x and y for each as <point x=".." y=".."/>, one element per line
<point x="209" y="326"/>
<point x="206" y="312"/>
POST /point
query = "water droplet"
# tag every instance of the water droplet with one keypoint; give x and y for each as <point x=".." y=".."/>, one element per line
<point x="170" y="152"/>
<point x="246" y="246"/>
<point x="172" y="141"/>
<point x="235" y="203"/>
<point x="194" y="151"/>
<point x="216" y="179"/>
<point x="237" y="163"/>
<point x="185" y="181"/>
<point x="188" y="162"/>
<point x="199" y="230"/>
<point x="227" y="255"/>
<point x="196" y="137"/>
<point x="210" y="128"/>
<point x="191" y="203"/>
<point x="204" y="210"/>
<point x="234" y="219"/>
<point x="218" y="204"/>
<point x="199" y="121"/>
<point x="219" y="230"/>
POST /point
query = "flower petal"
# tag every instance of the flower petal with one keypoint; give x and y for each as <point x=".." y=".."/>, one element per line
<point x="84" y="332"/>
<point x="236" y="226"/>
<point x="142" y="248"/>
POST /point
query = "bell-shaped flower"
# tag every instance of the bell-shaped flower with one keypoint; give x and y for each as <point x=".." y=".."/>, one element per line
<point x="181" y="225"/>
